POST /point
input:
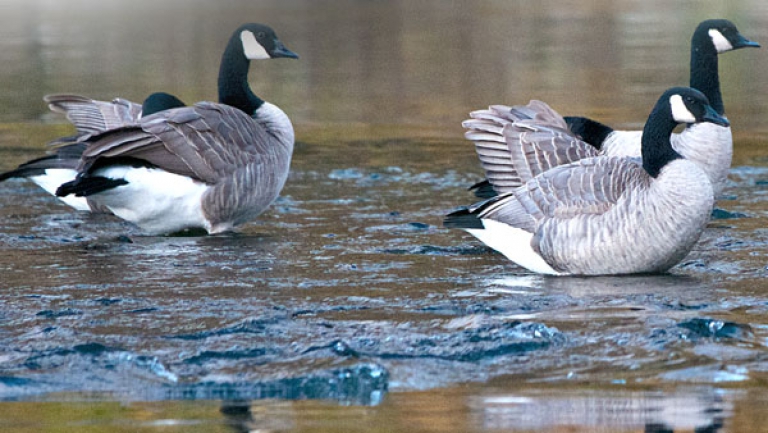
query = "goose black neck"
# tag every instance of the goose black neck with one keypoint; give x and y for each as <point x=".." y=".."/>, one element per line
<point x="704" y="73"/>
<point x="656" y="147"/>
<point x="233" y="79"/>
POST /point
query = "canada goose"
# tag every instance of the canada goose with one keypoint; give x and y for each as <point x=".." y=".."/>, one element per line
<point x="209" y="166"/>
<point x="89" y="117"/>
<point x="707" y="144"/>
<point x="602" y="215"/>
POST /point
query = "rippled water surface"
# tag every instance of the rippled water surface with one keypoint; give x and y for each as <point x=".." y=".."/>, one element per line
<point x="347" y="306"/>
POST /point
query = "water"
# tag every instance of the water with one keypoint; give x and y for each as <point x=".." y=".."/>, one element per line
<point x="347" y="306"/>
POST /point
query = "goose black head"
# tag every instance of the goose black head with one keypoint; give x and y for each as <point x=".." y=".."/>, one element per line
<point x="261" y="42"/>
<point x="159" y="101"/>
<point x="723" y="35"/>
<point x="688" y="105"/>
<point x="677" y="105"/>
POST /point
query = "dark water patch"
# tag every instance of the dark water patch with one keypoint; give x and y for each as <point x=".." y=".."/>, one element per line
<point x="54" y="314"/>
<point x="13" y="381"/>
<point x="143" y="310"/>
<point x="52" y="358"/>
<point x="432" y="250"/>
<point x="251" y="326"/>
<point x="105" y="302"/>
<point x="250" y="355"/>
<point x="716" y="329"/>
<point x="722" y="214"/>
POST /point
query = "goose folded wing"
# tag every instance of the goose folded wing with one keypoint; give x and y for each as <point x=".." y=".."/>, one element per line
<point x="92" y="117"/>
<point x="206" y="142"/>
<point x="588" y="187"/>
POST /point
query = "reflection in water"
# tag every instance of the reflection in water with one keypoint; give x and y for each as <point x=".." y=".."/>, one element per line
<point x="596" y="286"/>
<point x="699" y="410"/>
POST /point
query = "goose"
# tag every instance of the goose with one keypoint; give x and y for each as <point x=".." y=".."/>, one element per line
<point x="89" y="117"/>
<point x="707" y="144"/>
<point x="605" y="214"/>
<point x="208" y="166"/>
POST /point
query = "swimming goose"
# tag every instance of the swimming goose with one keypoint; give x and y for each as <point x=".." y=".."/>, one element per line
<point x="209" y="166"/>
<point x="89" y="117"/>
<point x="707" y="144"/>
<point x="601" y="215"/>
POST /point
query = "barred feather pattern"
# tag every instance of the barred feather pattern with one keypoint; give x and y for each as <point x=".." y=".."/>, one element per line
<point x="515" y="144"/>
<point x="90" y="116"/>
<point x="607" y="216"/>
<point x="244" y="164"/>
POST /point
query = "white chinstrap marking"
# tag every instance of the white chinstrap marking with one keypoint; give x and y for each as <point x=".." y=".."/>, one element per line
<point x="721" y="43"/>
<point x="679" y="111"/>
<point x="251" y="47"/>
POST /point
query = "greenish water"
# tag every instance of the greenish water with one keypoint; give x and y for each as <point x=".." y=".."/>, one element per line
<point x="347" y="307"/>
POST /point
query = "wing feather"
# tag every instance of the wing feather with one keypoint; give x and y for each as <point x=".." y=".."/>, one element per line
<point x="516" y="144"/>
<point x="588" y="187"/>
<point x="206" y="141"/>
<point x="90" y="116"/>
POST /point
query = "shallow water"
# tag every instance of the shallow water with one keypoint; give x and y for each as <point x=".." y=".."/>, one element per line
<point x="347" y="306"/>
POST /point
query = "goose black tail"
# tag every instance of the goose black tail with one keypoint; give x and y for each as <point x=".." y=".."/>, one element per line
<point x="35" y="167"/>
<point x="588" y="130"/>
<point x="19" y="172"/>
<point x="85" y="186"/>
<point x="483" y="189"/>
<point x="462" y="219"/>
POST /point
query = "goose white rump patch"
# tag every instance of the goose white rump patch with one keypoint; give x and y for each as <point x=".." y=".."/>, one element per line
<point x="514" y="243"/>
<point x="154" y="199"/>
<point x="53" y="178"/>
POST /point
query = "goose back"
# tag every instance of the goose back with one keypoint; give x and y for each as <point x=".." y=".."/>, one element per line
<point x="241" y="165"/>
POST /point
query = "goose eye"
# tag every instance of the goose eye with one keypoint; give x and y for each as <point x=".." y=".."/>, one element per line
<point x="261" y="35"/>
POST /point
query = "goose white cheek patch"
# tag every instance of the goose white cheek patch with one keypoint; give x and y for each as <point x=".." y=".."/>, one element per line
<point x="679" y="111"/>
<point x="721" y="43"/>
<point x="251" y="47"/>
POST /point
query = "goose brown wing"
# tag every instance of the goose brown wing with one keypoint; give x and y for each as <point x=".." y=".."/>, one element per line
<point x="205" y="141"/>
<point x="515" y="144"/>
<point x="588" y="187"/>
<point x="92" y="117"/>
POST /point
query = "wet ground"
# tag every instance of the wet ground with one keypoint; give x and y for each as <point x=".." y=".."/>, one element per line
<point x="347" y="307"/>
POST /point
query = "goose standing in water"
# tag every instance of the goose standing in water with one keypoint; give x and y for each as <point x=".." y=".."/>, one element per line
<point x="208" y="166"/>
<point x="89" y="117"/>
<point x="707" y="144"/>
<point x="602" y="215"/>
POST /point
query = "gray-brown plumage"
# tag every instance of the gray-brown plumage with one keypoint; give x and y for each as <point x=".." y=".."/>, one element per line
<point x="537" y="140"/>
<point x="599" y="215"/>
<point x="211" y="165"/>
<point x="709" y="145"/>
<point x="240" y="163"/>
<point x="90" y="116"/>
